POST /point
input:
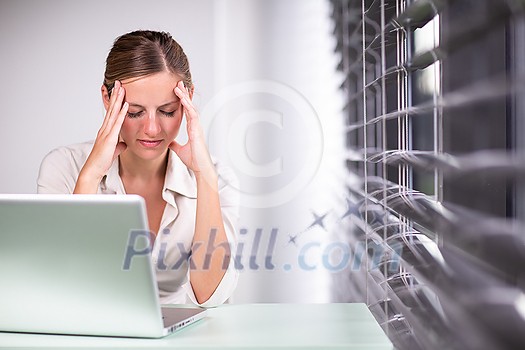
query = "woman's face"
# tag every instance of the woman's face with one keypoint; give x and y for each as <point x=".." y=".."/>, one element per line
<point x="154" y="115"/>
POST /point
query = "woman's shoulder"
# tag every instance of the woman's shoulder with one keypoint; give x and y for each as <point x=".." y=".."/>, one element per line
<point x="60" y="168"/>
<point x="67" y="159"/>
<point x="71" y="154"/>
<point x="224" y="171"/>
<point x="228" y="182"/>
<point x="77" y="150"/>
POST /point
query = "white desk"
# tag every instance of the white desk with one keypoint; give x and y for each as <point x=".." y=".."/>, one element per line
<point x="257" y="326"/>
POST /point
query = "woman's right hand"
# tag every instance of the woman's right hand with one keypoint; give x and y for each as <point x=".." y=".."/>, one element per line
<point x="107" y="146"/>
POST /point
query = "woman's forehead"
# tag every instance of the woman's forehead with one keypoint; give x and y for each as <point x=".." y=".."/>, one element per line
<point x="152" y="90"/>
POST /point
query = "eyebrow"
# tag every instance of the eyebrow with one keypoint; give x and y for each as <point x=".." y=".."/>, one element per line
<point x="164" y="105"/>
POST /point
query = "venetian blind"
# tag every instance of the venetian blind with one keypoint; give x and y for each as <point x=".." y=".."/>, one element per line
<point x="434" y="131"/>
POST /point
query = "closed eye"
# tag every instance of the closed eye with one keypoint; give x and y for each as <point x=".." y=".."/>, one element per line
<point x="168" y="114"/>
<point x="138" y="114"/>
<point x="134" y="115"/>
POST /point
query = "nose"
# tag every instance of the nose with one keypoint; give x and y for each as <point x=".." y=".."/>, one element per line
<point x="151" y="125"/>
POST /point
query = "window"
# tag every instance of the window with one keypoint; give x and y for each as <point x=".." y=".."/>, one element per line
<point x="435" y="119"/>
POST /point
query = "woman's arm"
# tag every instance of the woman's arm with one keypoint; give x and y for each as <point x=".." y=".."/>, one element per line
<point x="213" y="257"/>
<point x="212" y="252"/>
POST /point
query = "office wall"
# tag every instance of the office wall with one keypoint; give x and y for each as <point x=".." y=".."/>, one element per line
<point x="269" y="101"/>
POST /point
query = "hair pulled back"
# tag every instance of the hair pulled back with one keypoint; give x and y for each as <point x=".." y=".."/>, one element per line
<point x="143" y="52"/>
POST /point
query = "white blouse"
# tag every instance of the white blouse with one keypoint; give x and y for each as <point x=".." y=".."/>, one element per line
<point x="58" y="174"/>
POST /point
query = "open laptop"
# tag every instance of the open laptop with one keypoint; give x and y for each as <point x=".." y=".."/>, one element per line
<point x="63" y="268"/>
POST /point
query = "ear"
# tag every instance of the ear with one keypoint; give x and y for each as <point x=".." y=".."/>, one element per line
<point x="191" y="92"/>
<point x="105" y="96"/>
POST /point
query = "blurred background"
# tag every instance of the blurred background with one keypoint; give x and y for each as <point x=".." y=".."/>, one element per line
<point x="378" y="143"/>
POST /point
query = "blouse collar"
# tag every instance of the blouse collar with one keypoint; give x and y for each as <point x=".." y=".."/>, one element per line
<point x="179" y="179"/>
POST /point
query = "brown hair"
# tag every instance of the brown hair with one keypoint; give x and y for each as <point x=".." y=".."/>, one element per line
<point x="145" y="52"/>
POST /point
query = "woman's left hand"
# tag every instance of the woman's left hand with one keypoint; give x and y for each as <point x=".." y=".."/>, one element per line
<point x="194" y="154"/>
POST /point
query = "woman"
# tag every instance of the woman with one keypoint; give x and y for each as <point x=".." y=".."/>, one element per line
<point x="190" y="202"/>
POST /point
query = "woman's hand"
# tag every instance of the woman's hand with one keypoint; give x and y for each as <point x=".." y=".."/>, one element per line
<point x="194" y="154"/>
<point x="107" y="146"/>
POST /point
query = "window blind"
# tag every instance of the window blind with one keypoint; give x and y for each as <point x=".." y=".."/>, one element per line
<point x="434" y="131"/>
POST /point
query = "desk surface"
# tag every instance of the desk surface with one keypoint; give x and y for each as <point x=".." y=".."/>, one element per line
<point x="261" y="326"/>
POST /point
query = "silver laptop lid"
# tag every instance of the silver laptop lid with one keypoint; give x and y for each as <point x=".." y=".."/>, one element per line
<point x="72" y="265"/>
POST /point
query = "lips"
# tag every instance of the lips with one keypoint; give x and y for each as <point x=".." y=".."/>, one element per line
<point x="150" y="143"/>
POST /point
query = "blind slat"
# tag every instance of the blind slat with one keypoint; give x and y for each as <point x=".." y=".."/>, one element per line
<point x="419" y="13"/>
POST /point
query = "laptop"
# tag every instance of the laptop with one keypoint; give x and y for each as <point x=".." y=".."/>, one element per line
<point x="66" y="268"/>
